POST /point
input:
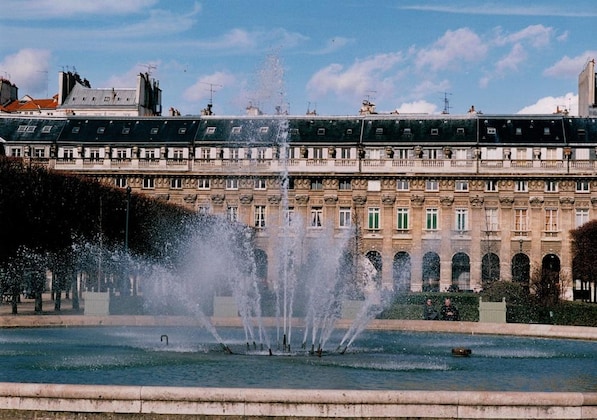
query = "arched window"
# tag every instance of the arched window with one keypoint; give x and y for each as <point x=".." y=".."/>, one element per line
<point x="431" y="272"/>
<point x="490" y="269"/>
<point x="401" y="271"/>
<point x="461" y="272"/>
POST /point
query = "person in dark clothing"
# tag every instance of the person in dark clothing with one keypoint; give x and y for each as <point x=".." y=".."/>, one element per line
<point x="429" y="311"/>
<point x="449" y="312"/>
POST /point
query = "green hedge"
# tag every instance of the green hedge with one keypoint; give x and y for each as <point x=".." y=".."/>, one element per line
<point x="410" y="306"/>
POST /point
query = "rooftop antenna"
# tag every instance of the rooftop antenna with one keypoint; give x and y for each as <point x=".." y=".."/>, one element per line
<point x="368" y="95"/>
<point x="149" y="68"/>
<point x="211" y="90"/>
<point x="446" y="103"/>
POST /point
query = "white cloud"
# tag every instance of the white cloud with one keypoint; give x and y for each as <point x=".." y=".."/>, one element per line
<point x="128" y="79"/>
<point x="512" y="60"/>
<point x="534" y="35"/>
<point x="417" y="107"/>
<point x="205" y="86"/>
<point x="549" y="105"/>
<point x="451" y="49"/>
<point x="46" y="9"/>
<point x="241" y="39"/>
<point x="570" y="67"/>
<point x="361" y="77"/>
<point x="28" y="69"/>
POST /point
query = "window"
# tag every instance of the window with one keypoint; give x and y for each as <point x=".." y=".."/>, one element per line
<point x="23" y="129"/>
<point x="231" y="184"/>
<point x="210" y="130"/>
<point x="182" y="130"/>
<point x="461" y="222"/>
<point x="401" y="154"/>
<point x="176" y="183"/>
<point x="491" y="186"/>
<point x="120" y="182"/>
<point x="259" y="216"/>
<point x="520" y="220"/>
<point x="46" y="129"/>
<point x="39" y="152"/>
<point x="518" y="131"/>
<point x="316" y="216"/>
<point x="344" y="153"/>
<point x="150" y="154"/>
<point x="379" y="131"/>
<point x="431" y="185"/>
<point x="101" y="130"/>
<point x="232" y="213"/>
<point x="349" y="131"/>
<point x="154" y="130"/>
<point x="491" y="130"/>
<point x="126" y="130"/>
<point x="434" y="131"/>
<point x="261" y="154"/>
<point x="94" y="154"/>
<point x="317" y="153"/>
<point x="316" y="184"/>
<point x="546" y="131"/>
<point x="551" y="153"/>
<point x="288" y="216"/>
<point x="204" y="209"/>
<point x="260" y="184"/>
<point x="581" y="217"/>
<point x="203" y="184"/>
<point x="582" y="186"/>
<point x="521" y="186"/>
<point x="321" y="131"/>
<point x="551" y="220"/>
<point x="491" y="220"/>
<point x="461" y="185"/>
<point x="402" y="185"/>
<point x="121" y="154"/>
<point x="345" y="217"/>
<point x="205" y="153"/>
<point x="344" y="184"/>
<point x="263" y="130"/>
<point x="431" y="219"/>
<point x="148" y="183"/>
<point x="460" y="131"/>
<point x="233" y="154"/>
<point x="236" y="130"/>
<point x="15" y="152"/>
<point x="521" y="154"/>
<point x="68" y="154"/>
<point x="402" y="218"/>
<point x="551" y="186"/>
<point x="177" y="154"/>
<point x="373" y="214"/>
<point x="432" y="154"/>
<point x="31" y="128"/>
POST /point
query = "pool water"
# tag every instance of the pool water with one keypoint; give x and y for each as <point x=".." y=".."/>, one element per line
<point x="388" y="360"/>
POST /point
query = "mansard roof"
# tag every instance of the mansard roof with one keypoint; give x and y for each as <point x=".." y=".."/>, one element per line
<point x="129" y="130"/>
<point x="84" y="97"/>
<point x="372" y="130"/>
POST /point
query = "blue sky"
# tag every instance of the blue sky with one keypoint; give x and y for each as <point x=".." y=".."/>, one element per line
<point x="500" y="56"/>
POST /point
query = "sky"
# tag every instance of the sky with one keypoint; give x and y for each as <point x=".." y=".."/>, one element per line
<point x="410" y="56"/>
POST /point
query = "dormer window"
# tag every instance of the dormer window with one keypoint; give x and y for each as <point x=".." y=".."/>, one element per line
<point x="210" y="130"/>
<point x="491" y="130"/>
<point x="75" y="130"/>
<point x="460" y="131"/>
<point x="126" y="130"/>
<point x="519" y="131"/>
<point x="236" y="130"/>
<point x="182" y="130"/>
<point x="321" y="131"/>
<point x="546" y="131"/>
<point x="101" y="130"/>
<point x="434" y="131"/>
<point x="349" y="131"/>
<point x="264" y="130"/>
<point x="407" y="132"/>
<point x="154" y="130"/>
<point x="379" y="131"/>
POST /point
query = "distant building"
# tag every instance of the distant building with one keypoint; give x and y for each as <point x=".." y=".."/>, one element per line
<point x="77" y="97"/>
<point x="587" y="95"/>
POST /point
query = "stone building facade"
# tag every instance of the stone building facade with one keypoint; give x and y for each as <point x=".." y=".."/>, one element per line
<point x="439" y="202"/>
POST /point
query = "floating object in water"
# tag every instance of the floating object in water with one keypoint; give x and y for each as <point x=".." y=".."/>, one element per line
<point x="461" y="351"/>
<point x="162" y="338"/>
